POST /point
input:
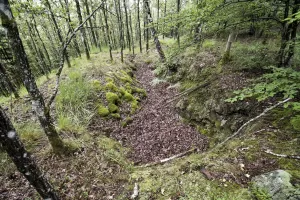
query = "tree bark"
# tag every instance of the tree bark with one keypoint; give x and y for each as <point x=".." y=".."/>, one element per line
<point x="23" y="159"/>
<point x="107" y="31"/>
<point x="139" y="25"/>
<point x="91" y="24"/>
<point x="132" y="40"/>
<point x="58" y="31"/>
<point x="153" y="31"/>
<point x="28" y="79"/>
<point x="127" y="25"/>
<point x="82" y="31"/>
<point x="165" y="14"/>
<point x="177" y="25"/>
<point x="6" y="78"/>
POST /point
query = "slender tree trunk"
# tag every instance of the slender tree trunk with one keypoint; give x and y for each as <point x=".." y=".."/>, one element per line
<point x="6" y="78"/>
<point x="127" y="25"/>
<point x="38" y="104"/>
<point x="23" y="159"/>
<point x="42" y="42"/>
<point x="139" y="25"/>
<point x="153" y="31"/>
<point x="293" y="34"/>
<point x="69" y="21"/>
<point x="165" y="14"/>
<point x="157" y="15"/>
<point x="146" y="22"/>
<point x="132" y="40"/>
<point x="82" y="30"/>
<point x="58" y="31"/>
<point x="119" y="15"/>
<point x="177" y="25"/>
<point x="107" y="32"/>
<point x="91" y="24"/>
<point x="39" y="57"/>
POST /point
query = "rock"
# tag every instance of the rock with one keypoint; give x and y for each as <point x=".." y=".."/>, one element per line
<point x="275" y="185"/>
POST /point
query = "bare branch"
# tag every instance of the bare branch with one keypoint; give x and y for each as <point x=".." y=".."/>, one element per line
<point x="282" y="155"/>
<point x="248" y="122"/>
<point x="64" y="49"/>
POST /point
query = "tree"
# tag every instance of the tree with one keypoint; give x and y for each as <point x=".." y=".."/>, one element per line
<point x="139" y="26"/>
<point x="23" y="159"/>
<point x="82" y="31"/>
<point x="153" y="31"/>
<point x="38" y="103"/>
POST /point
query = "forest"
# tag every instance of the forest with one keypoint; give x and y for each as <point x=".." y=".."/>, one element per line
<point x="150" y="99"/>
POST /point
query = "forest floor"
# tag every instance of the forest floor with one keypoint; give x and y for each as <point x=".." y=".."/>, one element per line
<point x="112" y="150"/>
<point x="156" y="131"/>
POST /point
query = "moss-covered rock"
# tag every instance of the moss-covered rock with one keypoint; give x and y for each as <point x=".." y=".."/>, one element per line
<point x="103" y="111"/>
<point x="111" y="87"/>
<point x="116" y="115"/>
<point x="112" y="98"/>
<point x="128" y="97"/>
<point x="275" y="185"/>
<point x="113" y="108"/>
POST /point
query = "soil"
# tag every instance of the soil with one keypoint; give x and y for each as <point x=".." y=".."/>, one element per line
<point x="156" y="131"/>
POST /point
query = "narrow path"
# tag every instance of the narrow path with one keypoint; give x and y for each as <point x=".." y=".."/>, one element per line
<point x="156" y="131"/>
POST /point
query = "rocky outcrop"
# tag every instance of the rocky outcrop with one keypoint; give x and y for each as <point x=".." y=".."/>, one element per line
<point x="275" y="185"/>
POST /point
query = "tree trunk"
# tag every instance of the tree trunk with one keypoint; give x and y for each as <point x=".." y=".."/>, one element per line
<point x="165" y="14"/>
<point x="127" y="25"/>
<point x="58" y="31"/>
<point x="38" y="104"/>
<point x="177" y="25"/>
<point x="23" y="159"/>
<point x="119" y="14"/>
<point x="43" y="44"/>
<point x="82" y="31"/>
<point x="154" y="35"/>
<point x="293" y="34"/>
<point x="91" y="24"/>
<point x="6" y="78"/>
<point x="132" y="40"/>
<point x="146" y="29"/>
<point x="69" y="21"/>
<point x="157" y="15"/>
<point x="107" y="31"/>
<point x="139" y="25"/>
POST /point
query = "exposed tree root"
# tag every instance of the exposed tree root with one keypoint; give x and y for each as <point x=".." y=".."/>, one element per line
<point x="135" y="193"/>
<point x="297" y="157"/>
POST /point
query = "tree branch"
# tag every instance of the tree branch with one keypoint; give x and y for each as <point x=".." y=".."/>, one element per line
<point x="64" y="49"/>
<point x="282" y="155"/>
<point x="248" y="122"/>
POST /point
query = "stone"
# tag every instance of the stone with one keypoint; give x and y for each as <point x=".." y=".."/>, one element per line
<point x="275" y="185"/>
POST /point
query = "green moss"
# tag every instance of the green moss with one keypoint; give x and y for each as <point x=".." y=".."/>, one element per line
<point x="96" y="84"/>
<point x="116" y="115"/>
<point x="113" y="108"/>
<point x="296" y="122"/>
<point x="122" y="90"/>
<point x="111" y="86"/>
<point x="112" y="98"/>
<point x="139" y="91"/>
<point x="134" y="105"/>
<point x="260" y="193"/>
<point x="103" y="111"/>
<point x="108" y="79"/>
<point x="128" y="87"/>
<point x="128" y="97"/>
<point x="127" y="121"/>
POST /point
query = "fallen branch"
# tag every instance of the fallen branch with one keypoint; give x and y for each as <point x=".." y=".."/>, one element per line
<point x="135" y="191"/>
<point x="282" y="155"/>
<point x="169" y="159"/>
<point x="248" y="122"/>
<point x="188" y="91"/>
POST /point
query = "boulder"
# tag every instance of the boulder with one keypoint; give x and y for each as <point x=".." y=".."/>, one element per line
<point x="275" y="185"/>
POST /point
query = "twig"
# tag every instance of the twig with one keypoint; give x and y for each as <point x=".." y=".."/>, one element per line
<point x="169" y="159"/>
<point x="297" y="157"/>
<point x="135" y="191"/>
<point x="248" y="122"/>
<point x="64" y="49"/>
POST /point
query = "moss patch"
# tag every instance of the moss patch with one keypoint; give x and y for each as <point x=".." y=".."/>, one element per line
<point x="103" y="111"/>
<point x="112" y="98"/>
<point x="113" y="108"/>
